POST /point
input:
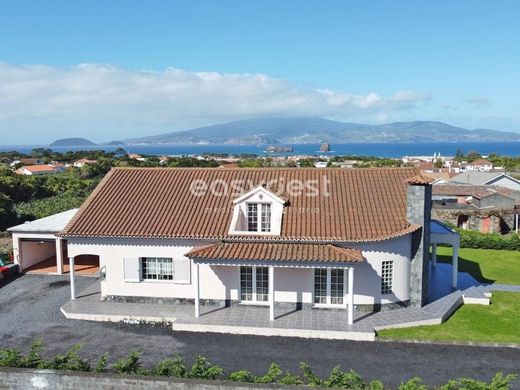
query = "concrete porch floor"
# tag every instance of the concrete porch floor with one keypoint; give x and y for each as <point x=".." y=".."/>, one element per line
<point x="83" y="265"/>
<point x="243" y="319"/>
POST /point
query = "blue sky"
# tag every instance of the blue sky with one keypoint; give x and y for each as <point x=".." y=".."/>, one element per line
<point x="115" y="69"/>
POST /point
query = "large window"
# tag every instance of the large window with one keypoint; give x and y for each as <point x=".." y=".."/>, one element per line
<point x="387" y="277"/>
<point x="329" y="286"/>
<point x="266" y="217"/>
<point x="258" y="217"/>
<point x="254" y="284"/>
<point x="320" y="285"/>
<point x="252" y="217"/>
<point x="157" y="268"/>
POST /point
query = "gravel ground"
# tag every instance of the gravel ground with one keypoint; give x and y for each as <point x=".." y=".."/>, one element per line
<point x="29" y="309"/>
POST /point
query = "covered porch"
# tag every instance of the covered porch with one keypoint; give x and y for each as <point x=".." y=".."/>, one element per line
<point x="442" y="234"/>
<point x="259" y="262"/>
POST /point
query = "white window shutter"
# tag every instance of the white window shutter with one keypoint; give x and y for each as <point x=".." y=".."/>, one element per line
<point x="132" y="269"/>
<point x="181" y="270"/>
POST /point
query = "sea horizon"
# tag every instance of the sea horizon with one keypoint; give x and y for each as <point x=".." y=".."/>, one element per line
<point x="390" y="150"/>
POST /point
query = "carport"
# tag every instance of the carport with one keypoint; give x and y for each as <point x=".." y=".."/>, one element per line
<point x="442" y="234"/>
<point x="37" y="248"/>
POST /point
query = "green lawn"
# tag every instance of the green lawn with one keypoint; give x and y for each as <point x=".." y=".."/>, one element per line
<point x="486" y="265"/>
<point x="499" y="322"/>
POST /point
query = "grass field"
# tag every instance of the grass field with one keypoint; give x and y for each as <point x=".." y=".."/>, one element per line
<point x="486" y="265"/>
<point x="497" y="323"/>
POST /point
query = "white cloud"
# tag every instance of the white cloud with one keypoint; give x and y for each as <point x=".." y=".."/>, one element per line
<point x="478" y="101"/>
<point x="104" y="102"/>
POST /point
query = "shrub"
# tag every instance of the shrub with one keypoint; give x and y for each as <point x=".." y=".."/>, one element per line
<point x="376" y="385"/>
<point x="272" y="374"/>
<point x="310" y="376"/>
<point x="69" y="361"/>
<point x="101" y="365"/>
<point x="477" y="240"/>
<point x="290" y="379"/>
<point x="346" y="380"/>
<point x="129" y="364"/>
<point x="201" y="369"/>
<point x="34" y="358"/>
<point x="10" y="358"/>
<point x="171" y="367"/>
<point x="499" y="382"/>
<point x="413" y="384"/>
<point x="241" y="376"/>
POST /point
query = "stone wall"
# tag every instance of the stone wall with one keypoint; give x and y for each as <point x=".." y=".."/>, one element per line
<point x="419" y="204"/>
<point x="18" y="378"/>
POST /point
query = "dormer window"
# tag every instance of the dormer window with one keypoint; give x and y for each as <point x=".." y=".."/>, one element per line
<point x="259" y="212"/>
<point x="259" y="217"/>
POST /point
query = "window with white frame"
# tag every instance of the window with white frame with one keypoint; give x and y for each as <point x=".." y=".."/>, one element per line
<point x="387" y="277"/>
<point x="329" y="286"/>
<point x="156" y="268"/>
<point x="254" y="284"/>
<point x="259" y="217"/>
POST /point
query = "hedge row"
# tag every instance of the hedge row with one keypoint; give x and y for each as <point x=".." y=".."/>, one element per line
<point x="175" y="367"/>
<point x="470" y="239"/>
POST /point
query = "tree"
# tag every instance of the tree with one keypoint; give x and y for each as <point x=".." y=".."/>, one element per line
<point x="438" y="163"/>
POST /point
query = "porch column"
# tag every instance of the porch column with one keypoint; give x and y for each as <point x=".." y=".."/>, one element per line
<point x="271" y="293"/>
<point x="59" y="255"/>
<point x="455" y="266"/>
<point x="72" y="279"/>
<point x="350" y="296"/>
<point x="434" y="255"/>
<point x="197" y="291"/>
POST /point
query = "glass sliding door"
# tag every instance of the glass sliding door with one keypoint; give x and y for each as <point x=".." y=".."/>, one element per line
<point x="254" y="284"/>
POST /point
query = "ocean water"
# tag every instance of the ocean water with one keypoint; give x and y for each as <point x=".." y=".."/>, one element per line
<point x="360" y="149"/>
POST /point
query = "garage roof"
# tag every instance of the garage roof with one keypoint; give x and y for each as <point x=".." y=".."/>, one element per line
<point x="51" y="224"/>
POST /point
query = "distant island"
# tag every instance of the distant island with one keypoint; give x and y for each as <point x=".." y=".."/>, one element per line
<point x="287" y="131"/>
<point x="73" y="142"/>
<point x="278" y="149"/>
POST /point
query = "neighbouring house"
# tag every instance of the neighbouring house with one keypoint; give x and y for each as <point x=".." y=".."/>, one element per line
<point x="84" y="161"/>
<point x="487" y="209"/>
<point x="135" y="156"/>
<point x="44" y="169"/>
<point x="500" y="179"/>
<point x="26" y="161"/>
<point x="305" y="238"/>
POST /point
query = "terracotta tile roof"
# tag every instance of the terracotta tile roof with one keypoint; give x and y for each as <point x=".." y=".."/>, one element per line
<point x="276" y="252"/>
<point x="478" y="192"/>
<point x="419" y="180"/>
<point x="362" y="204"/>
<point x="39" y="168"/>
<point x="481" y="162"/>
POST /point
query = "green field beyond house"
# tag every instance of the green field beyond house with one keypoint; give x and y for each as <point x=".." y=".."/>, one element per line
<point x="486" y="265"/>
<point x="497" y="323"/>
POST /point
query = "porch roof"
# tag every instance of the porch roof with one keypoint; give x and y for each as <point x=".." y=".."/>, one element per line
<point x="255" y="251"/>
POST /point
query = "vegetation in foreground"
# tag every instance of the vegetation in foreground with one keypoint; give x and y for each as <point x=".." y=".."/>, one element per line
<point x="175" y="367"/>
<point x="486" y="265"/>
<point x="497" y="323"/>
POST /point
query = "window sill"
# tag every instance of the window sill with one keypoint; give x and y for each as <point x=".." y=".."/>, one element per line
<point x="253" y="303"/>
<point x="328" y="306"/>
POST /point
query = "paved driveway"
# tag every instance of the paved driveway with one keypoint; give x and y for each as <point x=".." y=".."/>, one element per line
<point x="29" y="309"/>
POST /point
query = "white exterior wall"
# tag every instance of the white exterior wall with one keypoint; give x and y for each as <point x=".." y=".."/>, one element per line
<point x="223" y="282"/>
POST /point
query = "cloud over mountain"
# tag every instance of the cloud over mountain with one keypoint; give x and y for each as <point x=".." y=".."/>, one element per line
<point x="93" y="99"/>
